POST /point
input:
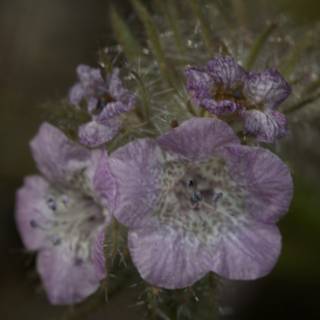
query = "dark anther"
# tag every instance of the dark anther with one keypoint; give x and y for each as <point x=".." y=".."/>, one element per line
<point x="78" y="261"/>
<point x="33" y="224"/>
<point x="190" y="183"/>
<point x="237" y="94"/>
<point x="174" y="123"/>
<point x="52" y="204"/>
<point x="57" y="241"/>
<point x="196" y="197"/>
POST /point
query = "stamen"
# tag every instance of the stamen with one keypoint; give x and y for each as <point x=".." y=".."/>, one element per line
<point x="196" y="197"/>
<point x="52" y="204"/>
<point x="34" y="224"/>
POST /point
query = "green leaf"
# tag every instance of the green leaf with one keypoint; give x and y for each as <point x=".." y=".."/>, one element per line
<point x="124" y="36"/>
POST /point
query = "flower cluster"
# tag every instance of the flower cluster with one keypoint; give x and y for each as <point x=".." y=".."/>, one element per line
<point x="194" y="199"/>
<point x="223" y="87"/>
<point x="105" y="101"/>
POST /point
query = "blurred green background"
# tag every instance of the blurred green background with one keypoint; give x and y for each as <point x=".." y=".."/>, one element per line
<point x="41" y="43"/>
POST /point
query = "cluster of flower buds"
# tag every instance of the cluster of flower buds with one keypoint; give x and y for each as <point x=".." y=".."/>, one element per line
<point x="194" y="199"/>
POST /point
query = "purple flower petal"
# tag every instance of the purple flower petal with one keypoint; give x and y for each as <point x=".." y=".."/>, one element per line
<point x="166" y="258"/>
<point x="67" y="278"/>
<point x="267" y="89"/>
<point x="113" y="109"/>
<point x="198" y="84"/>
<point x="247" y="250"/>
<point x="226" y="72"/>
<point x="91" y="80"/>
<point x="98" y="255"/>
<point x="94" y="133"/>
<point x="31" y="207"/>
<point x="76" y="94"/>
<point x="198" y="138"/>
<point x="57" y="157"/>
<point x="104" y="183"/>
<point x="265" y="126"/>
<point x="265" y="177"/>
<point x="136" y="168"/>
<point x="221" y="107"/>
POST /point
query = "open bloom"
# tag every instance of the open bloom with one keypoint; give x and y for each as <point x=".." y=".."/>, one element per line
<point x="59" y="215"/>
<point x="106" y="100"/>
<point x="196" y="201"/>
<point x="223" y="87"/>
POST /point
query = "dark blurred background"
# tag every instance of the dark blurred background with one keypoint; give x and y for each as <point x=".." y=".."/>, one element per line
<point x="41" y="42"/>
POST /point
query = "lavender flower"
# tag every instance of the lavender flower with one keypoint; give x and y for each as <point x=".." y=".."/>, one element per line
<point x="223" y="87"/>
<point x="196" y="200"/>
<point x="106" y="100"/>
<point x="59" y="215"/>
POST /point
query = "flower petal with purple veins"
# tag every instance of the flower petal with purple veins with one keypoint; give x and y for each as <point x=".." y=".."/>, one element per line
<point x="246" y="251"/>
<point x="136" y="168"/>
<point x="166" y="258"/>
<point x="266" y="178"/>
<point x="31" y="207"/>
<point x="225" y="71"/>
<point x="265" y="126"/>
<point x="267" y="88"/>
<point x="185" y="139"/>
<point x="57" y="157"/>
<point x="198" y="84"/>
<point x="99" y="255"/>
<point x="67" y="278"/>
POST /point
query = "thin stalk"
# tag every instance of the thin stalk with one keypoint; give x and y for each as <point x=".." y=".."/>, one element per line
<point x="124" y="36"/>
<point x="302" y="103"/>
<point x="204" y="26"/>
<point x="295" y="55"/>
<point x="154" y="40"/>
<point x="258" y="45"/>
<point x="144" y="96"/>
<point x="173" y="19"/>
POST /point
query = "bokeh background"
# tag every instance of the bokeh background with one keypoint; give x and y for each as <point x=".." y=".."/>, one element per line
<point x="41" y="42"/>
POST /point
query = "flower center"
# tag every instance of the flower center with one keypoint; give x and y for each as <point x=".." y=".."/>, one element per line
<point x="220" y="93"/>
<point x="103" y="100"/>
<point x="69" y="218"/>
<point x="199" y="197"/>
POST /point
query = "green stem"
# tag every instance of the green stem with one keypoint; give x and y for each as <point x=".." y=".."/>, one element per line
<point x="302" y="103"/>
<point x="258" y="46"/>
<point x="204" y="26"/>
<point x="130" y="46"/>
<point x="155" y="42"/>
